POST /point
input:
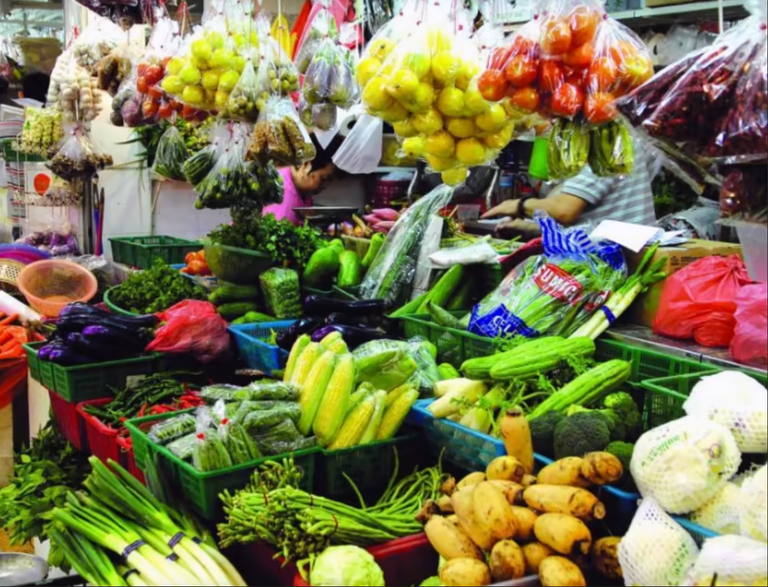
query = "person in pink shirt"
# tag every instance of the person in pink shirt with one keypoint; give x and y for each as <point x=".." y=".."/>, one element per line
<point x="300" y="184"/>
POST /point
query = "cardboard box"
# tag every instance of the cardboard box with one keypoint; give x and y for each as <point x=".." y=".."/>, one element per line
<point x="643" y="311"/>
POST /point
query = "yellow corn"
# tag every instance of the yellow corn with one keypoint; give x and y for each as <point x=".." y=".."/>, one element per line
<point x="396" y="414"/>
<point x="362" y="392"/>
<point x="354" y="426"/>
<point x="339" y="347"/>
<point x="314" y="390"/>
<point x="293" y="359"/>
<point x="305" y="362"/>
<point x="397" y="392"/>
<point x="378" y="414"/>
<point x="333" y="406"/>
<point x="330" y="338"/>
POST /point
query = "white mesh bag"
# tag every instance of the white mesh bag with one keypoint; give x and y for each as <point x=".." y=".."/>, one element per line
<point x="736" y="401"/>
<point x="730" y="560"/>
<point x="721" y="514"/>
<point x="685" y="463"/>
<point x="754" y="504"/>
<point x="656" y="550"/>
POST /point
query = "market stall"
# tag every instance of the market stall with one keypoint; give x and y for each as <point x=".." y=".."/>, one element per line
<point x="374" y="394"/>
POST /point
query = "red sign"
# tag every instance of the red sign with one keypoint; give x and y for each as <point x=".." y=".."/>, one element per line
<point x="558" y="284"/>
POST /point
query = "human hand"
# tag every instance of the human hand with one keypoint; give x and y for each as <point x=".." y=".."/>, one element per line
<point x="507" y="208"/>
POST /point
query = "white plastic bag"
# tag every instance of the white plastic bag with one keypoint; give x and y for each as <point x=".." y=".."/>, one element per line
<point x="730" y="560"/>
<point x="656" y="550"/>
<point x="685" y="463"/>
<point x="473" y="254"/>
<point x="361" y="150"/>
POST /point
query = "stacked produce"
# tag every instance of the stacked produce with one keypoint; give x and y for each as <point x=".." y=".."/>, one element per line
<point x="382" y="219"/>
<point x="195" y="264"/>
<point x="58" y="243"/>
<point x="12" y="338"/>
<point x="41" y="131"/>
<point x="73" y="91"/>
<point x="280" y="288"/>
<point x="154" y="290"/>
<point x="85" y="334"/>
<point x="114" y="69"/>
<point x="119" y="516"/>
<point x="235" y="302"/>
<point x="504" y="524"/>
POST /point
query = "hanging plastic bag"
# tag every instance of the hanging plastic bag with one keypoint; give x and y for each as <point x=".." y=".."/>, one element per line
<point x="95" y="42"/>
<point x="321" y="26"/>
<point x="750" y="342"/>
<point x="276" y="74"/>
<point x="73" y="90"/>
<point x="114" y="68"/>
<point x="555" y="293"/>
<point x="127" y="104"/>
<point x="192" y="327"/>
<point x="280" y="136"/>
<point x="568" y="149"/>
<point x="76" y="155"/>
<point x="171" y="154"/>
<point x="244" y="101"/>
<point x="362" y="149"/>
<point x="699" y="301"/>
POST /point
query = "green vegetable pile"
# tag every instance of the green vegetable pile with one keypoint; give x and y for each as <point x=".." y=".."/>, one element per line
<point x="43" y="474"/>
<point x="155" y="290"/>
<point x="287" y="245"/>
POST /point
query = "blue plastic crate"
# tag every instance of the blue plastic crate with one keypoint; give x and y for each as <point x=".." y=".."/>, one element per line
<point x="253" y="348"/>
<point x="210" y="280"/>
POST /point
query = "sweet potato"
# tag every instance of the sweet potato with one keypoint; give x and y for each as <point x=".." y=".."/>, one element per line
<point x="465" y="571"/>
<point x="506" y="469"/>
<point x="449" y="541"/>
<point x="507" y="562"/>
<point x="470" y="480"/>
<point x="566" y="471"/>
<point x="556" y="499"/>
<point x="493" y="512"/>
<point x="534" y="553"/>
<point x="560" y="572"/>
<point x="601" y="468"/>
<point x="464" y="505"/>
<point x="563" y="533"/>
<point x="526" y="520"/>
<point x="605" y="558"/>
<point x="511" y="490"/>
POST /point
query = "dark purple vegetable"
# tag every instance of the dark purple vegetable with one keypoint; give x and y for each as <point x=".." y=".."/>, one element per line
<point x="321" y="306"/>
<point x="44" y="352"/>
<point x="81" y="309"/>
<point x="353" y="335"/>
<point x="286" y="339"/>
<point x="79" y="323"/>
<point x="97" y="351"/>
<point x="67" y="357"/>
<point x="113" y="336"/>
<point x="341" y="318"/>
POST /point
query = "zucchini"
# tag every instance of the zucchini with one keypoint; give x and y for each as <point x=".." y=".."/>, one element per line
<point x="229" y="292"/>
<point x="234" y="310"/>
<point x="544" y="357"/>
<point x="443" y="317"/>
<point x="442" y="291"/>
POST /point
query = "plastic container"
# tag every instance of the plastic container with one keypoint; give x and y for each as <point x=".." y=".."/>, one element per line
<point x="201" y="490"/>
<point x="91" y="381"/>
<point x="754" y="243"/>
<point x="141" y="251"/>
<point x="102" y="440"/>
<point x="236" y="265"/>
<point x="253" y="348"/>
<point x="128" y="457"/>
<point x="114" y="307"/>
<point x="69" y="422"/>
<point x="50" y="285"/>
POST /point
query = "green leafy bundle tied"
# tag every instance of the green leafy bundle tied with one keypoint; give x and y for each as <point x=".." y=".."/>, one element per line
<point x="281" y="291"/>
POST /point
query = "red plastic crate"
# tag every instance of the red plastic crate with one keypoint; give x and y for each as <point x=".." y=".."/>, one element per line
<point x="70" y="424"/>
<point x="259" y="564"/>
<point x="128" y="458"/>
<point x="406" y="561"/>
<point x="102" y="440"/>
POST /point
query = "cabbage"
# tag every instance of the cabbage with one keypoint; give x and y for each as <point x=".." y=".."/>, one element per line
<point x="346" y="565"/>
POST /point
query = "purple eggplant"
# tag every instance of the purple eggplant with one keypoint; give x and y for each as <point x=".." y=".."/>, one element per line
<point x="353" y="336"/>
<point x="322" y="306"/>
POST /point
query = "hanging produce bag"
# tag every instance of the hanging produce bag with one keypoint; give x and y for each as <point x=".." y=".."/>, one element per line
<point x="41" y="130"/>
<point x="73" y="91"/>
<point x="361" y="150"/>
<point x="321" y="26"/>
<point x="114" y="68"/>
<point x="329" y="83"/>
<point x="99" y="38"/>
<point x="280" y="136"/>
<point x="555" y="293"/>
<point x="171" y="154"/>
<point x="276" y="74"/>
<point x="76" y="156"/>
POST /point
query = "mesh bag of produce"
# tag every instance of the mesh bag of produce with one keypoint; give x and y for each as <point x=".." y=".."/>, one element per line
<point x="171" y="155"/>
<point x="280" y="136"/>
<point x="744" y="412"/>
<point x="41" y="130"/>
<point x="555" y="293"/>
<point x="281" y="291"/>
<point x="722" y="513"/>
<point x="656" y="550"/>
<point x="394" y="267"/>
<point x="684" y="464"/>
<point x="754" y="506"/>
<point x="730" y="560"/>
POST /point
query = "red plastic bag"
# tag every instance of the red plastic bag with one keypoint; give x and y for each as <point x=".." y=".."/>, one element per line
<point x="750" y="344"/>
<point x="699" y="302"/>
<point x="192" y="327"/>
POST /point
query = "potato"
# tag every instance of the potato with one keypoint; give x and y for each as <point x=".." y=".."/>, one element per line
<point x="465" y="571"/>
<point x="505" y="469"/>
<point x="556" y="499"/>
<point x="470" y="480"/>
<point x="507" y="561"/>
<point x="526" y="520"/>
<point x="449" y="541"/>
<point x="464" y="505"/>
<point x="563" y="533"/>
<point x="556" y="571"/>
<point x="602" y="468"/>
<point x="534" y="553"/>
<point x="566" y="472"/>
<point x="605" y="558"/>
<point x="511" y="490"/>
<point x="493" y="512"/>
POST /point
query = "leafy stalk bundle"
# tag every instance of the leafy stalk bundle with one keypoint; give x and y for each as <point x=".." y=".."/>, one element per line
<point x="120" y="519"/>
<point x="301" y="525"/>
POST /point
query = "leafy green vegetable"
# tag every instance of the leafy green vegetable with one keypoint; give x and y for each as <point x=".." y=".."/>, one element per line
<point x="155" y="290"/>
<point x="346" y="565"/>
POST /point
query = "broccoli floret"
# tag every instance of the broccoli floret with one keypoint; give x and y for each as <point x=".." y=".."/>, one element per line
<point x="628" y="412"/>
<point x="580" y="434"/>
<point x="543" y="432"/>
<point x="624" y="451"/>
<point x="614" y="422"/>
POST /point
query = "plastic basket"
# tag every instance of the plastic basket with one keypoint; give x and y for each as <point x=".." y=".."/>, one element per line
<point x="102" y="440"/>
<point x="91" y="381"/>
<point x="128" y="457"/>
<point x="68" y="420"/>
<point x="253" y="348"/>
<point x="236" y="265"/>
<point x="50" y="285"/>
<point x="699" y="533"/>
<point x="114" y="307"/>
<point x="141" y="251"/>
<point x="202" y="490"/>
<point x="370" y="467"/>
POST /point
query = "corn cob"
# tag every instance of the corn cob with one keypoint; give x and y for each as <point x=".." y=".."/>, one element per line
<point x="314" y="390"/>
<point x="378" y="414"/>
<point x="395" y="415"/>
<point x="355" y="425"/>
<point x="293" y="359"/>
<point x="333" y="407"/>
<point x="304" y="364"/>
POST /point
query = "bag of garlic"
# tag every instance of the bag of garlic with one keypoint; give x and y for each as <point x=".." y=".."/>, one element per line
<point x="730" y="560"/>
<point x="73" y="90"/>
<point x="685" y="463"/>
<point x="744" y="410"/>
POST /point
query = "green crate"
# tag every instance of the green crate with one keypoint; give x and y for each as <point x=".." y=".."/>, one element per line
<point x="236" y="265"/>
<point x="370" y="467"/>
<point x="201" y="490"/>
<point x="141" y="251"/>
<point x="81" y="383"/>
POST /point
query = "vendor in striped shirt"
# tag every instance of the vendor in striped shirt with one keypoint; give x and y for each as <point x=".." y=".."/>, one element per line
<point x="588" y="198"/>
